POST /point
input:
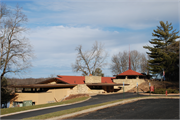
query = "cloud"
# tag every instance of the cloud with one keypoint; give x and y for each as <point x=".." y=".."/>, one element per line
<point x="58" y="27"/>
<point x="132" y="15"/>
<point x="54" y="46"/>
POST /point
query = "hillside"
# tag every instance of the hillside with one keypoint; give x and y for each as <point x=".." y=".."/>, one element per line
<point x="144" y="87"/>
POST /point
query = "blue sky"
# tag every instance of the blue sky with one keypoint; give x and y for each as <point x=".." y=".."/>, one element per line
<point x="57" y="27"/>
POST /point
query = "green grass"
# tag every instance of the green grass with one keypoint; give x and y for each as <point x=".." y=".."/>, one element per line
<point x="63" y="112"/>
<point x="18" y="109"/>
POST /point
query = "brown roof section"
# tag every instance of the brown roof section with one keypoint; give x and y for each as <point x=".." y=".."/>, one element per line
<point x="105" y="84"/>
<point x="129" y="72"/>
<point x="43" y="85"/>
<point x="49" y="81"/>
<point x="62" y="85"/>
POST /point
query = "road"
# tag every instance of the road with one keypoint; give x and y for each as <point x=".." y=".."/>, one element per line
<point x="94" y="100"/>
<point x="142" y="109"/>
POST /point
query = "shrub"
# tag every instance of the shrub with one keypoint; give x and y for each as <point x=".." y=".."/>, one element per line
<point x="163" y="91"/>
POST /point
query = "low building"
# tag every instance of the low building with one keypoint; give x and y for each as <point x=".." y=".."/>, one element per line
<point x="57" y="89"/>
<point x="130" y="77"/>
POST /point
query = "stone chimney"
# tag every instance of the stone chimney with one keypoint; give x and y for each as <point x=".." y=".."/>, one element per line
<point x="92" y="79"/>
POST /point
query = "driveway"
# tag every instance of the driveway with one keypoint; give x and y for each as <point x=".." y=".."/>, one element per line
<point x="94" y="100"/>
<point x="142" y="109"/>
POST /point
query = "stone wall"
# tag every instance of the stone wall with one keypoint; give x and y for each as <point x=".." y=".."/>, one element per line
<point x="80" y="89"/>
<point x="84" y="89"/>
<point x="132" y="82"/>
<point x="92" y="79"/>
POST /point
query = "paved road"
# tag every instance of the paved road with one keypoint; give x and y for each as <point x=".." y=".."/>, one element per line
<point x="142" y="109"/>
<point x="94" y="100"/>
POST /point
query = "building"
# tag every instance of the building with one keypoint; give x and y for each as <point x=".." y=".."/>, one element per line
<point x="130" y="77"/>
<point x="57" y="89"/>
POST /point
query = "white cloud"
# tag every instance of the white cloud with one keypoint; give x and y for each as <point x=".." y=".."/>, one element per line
<point x="133" y="15"/>
<point x="55" y="46"/>
<point x="65" y="24"/>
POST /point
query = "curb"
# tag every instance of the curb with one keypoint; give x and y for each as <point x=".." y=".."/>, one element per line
<point x="42" y="108"/>
<point x="170" y="94"/>
<point x="106" y="106"/>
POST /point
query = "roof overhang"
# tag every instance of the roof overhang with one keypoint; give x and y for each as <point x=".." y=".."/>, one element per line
<point x="63" y="85"/>
<point x="105" y="84"/>
<point x="43" y="86"/>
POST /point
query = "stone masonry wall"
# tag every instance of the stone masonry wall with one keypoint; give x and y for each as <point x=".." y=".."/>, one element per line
<point x="132" y="82"/>
<point x="92" y="79"/>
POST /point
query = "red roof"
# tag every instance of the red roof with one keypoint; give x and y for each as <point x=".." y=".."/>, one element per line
<point x="81" y="79"/>
<point x="130" y="72"/>
<point x="107" y="79"/>
<point x="72" y="79"/>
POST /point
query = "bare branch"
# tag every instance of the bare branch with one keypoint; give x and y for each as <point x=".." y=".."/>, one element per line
<point x="16" y="52"/>
<point x="88" y="61"/>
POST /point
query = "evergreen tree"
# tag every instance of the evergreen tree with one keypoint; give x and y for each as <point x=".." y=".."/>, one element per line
<point x="98" y="72"/>
<point x="163" y="55"/>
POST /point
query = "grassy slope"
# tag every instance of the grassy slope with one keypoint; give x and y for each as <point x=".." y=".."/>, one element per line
<point x="18" y="109"/>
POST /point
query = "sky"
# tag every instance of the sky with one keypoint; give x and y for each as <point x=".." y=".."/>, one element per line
<point x="57" y="27"/>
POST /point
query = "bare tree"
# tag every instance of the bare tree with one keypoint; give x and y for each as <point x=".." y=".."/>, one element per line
<point x="119" y="63"/>
<point x="88" y="61"/>
<point x="143" y="63"/>
<point x="135" y="60"/>
<point x="15" y="50"/>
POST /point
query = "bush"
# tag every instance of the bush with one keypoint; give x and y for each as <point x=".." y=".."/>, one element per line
<point x="163" y="91"/>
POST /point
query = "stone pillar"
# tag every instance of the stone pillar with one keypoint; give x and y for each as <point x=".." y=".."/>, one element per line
<point x="126" y="77"/>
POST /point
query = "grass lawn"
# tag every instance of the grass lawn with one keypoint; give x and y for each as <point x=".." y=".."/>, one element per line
<point x="63" y="112"/>
<point x="18" y="109"/>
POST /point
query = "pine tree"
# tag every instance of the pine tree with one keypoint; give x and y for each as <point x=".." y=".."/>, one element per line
<point x="162" y="56"/>
<point x="98" y="72"/>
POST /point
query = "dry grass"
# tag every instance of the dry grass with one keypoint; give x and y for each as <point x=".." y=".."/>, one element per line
<point x="144" y="87"/>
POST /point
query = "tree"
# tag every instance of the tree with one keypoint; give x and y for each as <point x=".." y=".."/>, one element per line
<point x="144" y="63"/>
<point x="120" y="62"/>
<point x="162" y="55"/>
<point x="135" y="60"/>
<point x="6" y="93"/>
<point x="98" y="72"/>
<point x="15" y="50"/>
<point x="88" y="61"/>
